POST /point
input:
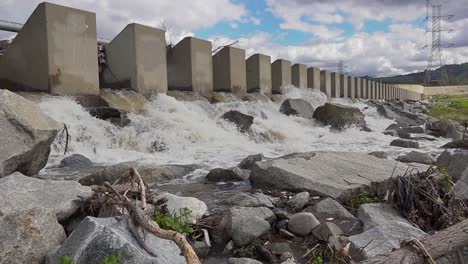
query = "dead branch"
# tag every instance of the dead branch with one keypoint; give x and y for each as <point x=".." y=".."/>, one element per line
<point x="226" y="45"/>
<point x="441" y="244"/>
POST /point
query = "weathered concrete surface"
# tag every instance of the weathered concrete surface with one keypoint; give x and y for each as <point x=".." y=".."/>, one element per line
<point x="299" y="75"/>
<point x="190" y="67"/>
<point x="344" y="85"/>
<point x="229" y="71"/>
<point x="19" y="191"/>
<point x="26" y="135"/>
<point x="364" y="89"/>
<point x="351" y="87"/>
<point x="280" y="75"/>
<point x="325" y="83"/>
<point x="54" y="52"/>
<point x="259" y="74"/>
<point x="335" y="84"/>
<point x="357" y="87"/>
<point x="28" y="235"/>
<point x="97" y="238"/>
<point x="339" y="175"/>
<point x="313" y="78"/>
<point x="136" y="59"/>
<point x="372" y="90"/>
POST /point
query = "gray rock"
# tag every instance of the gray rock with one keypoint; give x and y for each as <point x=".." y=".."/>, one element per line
<point x="250" y="200"/>
<point x="26" y="135"/>
<point x="75" y="161"/>
<point x="249" y="212"/>
<point x="242" y="121"/>
<point x="393" y="126"/>
<point x="280" y="247"/>
<point x="338" y="175"/>
<point x="243" y="261"/>
<point x="281" y="214"/>
<point x="286" y="234"/>
<point x="403" y="134"/>
<point x="444" y="159"/>
<point x="326" y="230"/>
<point x="297" y="107"/>
<point x="417" y="157"/>
<point x="330" y="210"/>
<point x="339" y="116"/>
<point x="28" y="235"/>
<point x="224" y="175"/>
<point x="379" y="154"/>
<point x="456" y="163"/>
<point x="386" y="112"/>
<point x="62" y="197"/>
<point x="381" y="239"/>
<point x="117" y="117"/>
<point x="413" y="129"/>
<point x="302" y="224"/>
<point x="97" y="238"/>
<point x="299" y="201"/>
<point x="457" y="144"/>
<point x="246" y="230"/>
<point x="374" y="214"/>
<point x="249" y="161"/>
<point x="445" y="128"/>
<point x="281" y="224"/>
<point x="404" y="143"/>
<point x="461" y="186"/>
<point x="176" y="204"/>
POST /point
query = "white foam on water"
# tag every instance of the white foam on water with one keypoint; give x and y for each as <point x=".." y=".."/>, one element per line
<point x="193" y="132"/>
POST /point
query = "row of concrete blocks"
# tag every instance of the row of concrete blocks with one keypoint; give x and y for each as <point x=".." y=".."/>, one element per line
<point x="55" y="52"/>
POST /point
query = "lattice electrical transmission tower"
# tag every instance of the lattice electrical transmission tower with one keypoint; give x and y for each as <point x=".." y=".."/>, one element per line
<point x="434" y="18"/>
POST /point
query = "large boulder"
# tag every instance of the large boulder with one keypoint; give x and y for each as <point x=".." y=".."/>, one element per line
<point x="445" y="128"/>
<point x="338" y="175"/>
<point x="302" y="223"/>
<point x="225" y="175"/>
<point x="461" y="186"/>
<point x="97" y="238"/>
<point x="404" y="143"/>
<point x="62" y="197"/>
<point x="75" y="161"/>
<point x="26" y="134"/>
<point x="457" y="144"/>
<point x="374" y="214"/>
<point x="242" y="121"/>
<point x="28" y="235"/>
<point x="417" y="157"/>
<point x="176" y="204"/>
<point x="297" y="107"/>
<point x="339" y="116"/>
<point x="249" y="161"/>
<point x="456" y="163"/>
<point x="387" y="112"/>
<point x="246" y="230"/>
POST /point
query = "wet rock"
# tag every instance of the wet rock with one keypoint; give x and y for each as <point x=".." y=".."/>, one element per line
<point x="374" y="214"/>
<point x="338" y="175"/>
<point x="417" y="157"/>
<point x="339" y="116"/>
<point x="242" y="121"/>
<point x="28" y="235"/>
<point x="243" y="261"/>
<point x="330" y="210"/>
<point x="281" y="214"/>
<point x="444" y="159"/>
<point x="457" y="144"/>
<point x="404" y="143"/>
<point x="246" y="230"/>
<point x="188" y="96"/>
<point x="224" y="175"/>
<point x="461" y="186"/>
<point x="445" y="128"/>
<point x="298" y="201"/>
<point x="250" y="200"/>
<point x="75" y="161"/>
<point x="381" y="239"/>
<point x="413" y="129"/>
<point x="297" y="107"/>
<point x="386" y="112"/>
<point x="302" y="224"/>
<point x="97" y="238"/>
<point x="249" y="212"/>
<point x="286" y="234"/>
<point x="62" y="197"/>
<point x="113" y="115"/>
<point x="177" y="204"/>
<point x="379" y="154"/>
<point x="254" y="96"/>
<point x="282" y="224"/>
<point x="326" y="230"/>
<point x="392" y="127"/>
<point x="149" y="172"/>
<point x="458" y="165"/>
<point x="27" y="134"/>
<point x="403" y="134"/>
<point x="249" y="161"/>
<point x="127" y="100"/>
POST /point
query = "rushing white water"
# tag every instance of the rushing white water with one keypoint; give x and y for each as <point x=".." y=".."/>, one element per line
<point x="192" y="132"/>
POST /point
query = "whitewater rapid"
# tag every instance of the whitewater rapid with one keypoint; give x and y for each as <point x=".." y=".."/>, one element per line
<point x="193" y="133"/>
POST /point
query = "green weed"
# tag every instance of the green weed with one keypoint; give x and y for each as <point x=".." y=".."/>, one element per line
<point x="66" y="260"/>
<point x="179" y="222"/>
<point x="361" y="198"/>
<point x="112" y="259"/>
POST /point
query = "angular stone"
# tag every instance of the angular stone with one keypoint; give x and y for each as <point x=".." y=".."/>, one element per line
<point x="26" y="135"/>
<point x="242" y="121"/>
<point x="302" y="223"/>
<point x="404" y="143"/>
<point x="176" y="204"/>
<point x="413" y="129"/>
<point x="297" y="107"/>
<point x="250" y="200"/>
<point x="332" y="211"/>
<point x="62" y="197"/>
<point x="97" y="238"/>
<point x="339" y="116"/>
<point x="417" y="157"/>
<point x="224" y="175"/>
<point x="28" y="235"/>
<point x="326" y="230"/>
<point x="374" y="214"/>
<point x="379" y="154"/>
<point x="338" y="175"/>
<point x="457" y="164"/>
<point x="246" y="230"/>
<point x="249" y="212"/>
<point x="461" y="186"/>
<point x="249" y="161"/>
<point x="457" y="144"/>
<point x="299" y="201"/>
<point x="75" y="161"/>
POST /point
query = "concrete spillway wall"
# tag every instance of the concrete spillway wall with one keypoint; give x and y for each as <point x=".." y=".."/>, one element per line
<point x="56" y="52"/>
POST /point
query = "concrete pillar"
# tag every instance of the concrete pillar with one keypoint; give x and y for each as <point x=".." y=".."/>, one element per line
<point x="325" y="83"/>
<point x="55" y="52"/>
<point x="259" y="74"/>
<point x="299" y="75"/>
<point x="370" y="89"/>
<point x="351" y="87"/>
<point x="280" y="75"/>
<point x="364" y="88"/>
<point x="335" y="84"/>
<point x="357" y="87"/>
<point x="344" y="85"/>
<point x="136" y="59"/>
<point x="313" y="78"/>
<point x="190" y="66"/>
<point x="379" y="90"/>
<point x="229" y="71"/>
<point x="387" y="92"/>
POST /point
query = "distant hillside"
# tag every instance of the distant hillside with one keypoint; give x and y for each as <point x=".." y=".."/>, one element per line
<point x="458" y="75"/>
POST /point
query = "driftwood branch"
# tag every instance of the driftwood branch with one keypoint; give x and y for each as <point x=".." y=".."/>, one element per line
<point x="441" y="244"/>
<point x="225" y="45"/>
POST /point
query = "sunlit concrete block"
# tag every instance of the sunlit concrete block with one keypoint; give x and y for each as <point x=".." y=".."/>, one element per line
<point x="280" y="74"/>
<point x="351" y="87"/>
<point x="325" y="82"/>
<point x="259" y="74"/>
<point x="299" y="75"/>
<point x="229" y="71"/>
<point x="313" y="78"/>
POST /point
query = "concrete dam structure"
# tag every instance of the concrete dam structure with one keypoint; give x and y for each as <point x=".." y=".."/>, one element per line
<point x="56" y="51"/>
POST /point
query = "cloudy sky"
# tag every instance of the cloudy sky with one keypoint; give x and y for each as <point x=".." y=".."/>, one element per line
<point x="372" y="37"/>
